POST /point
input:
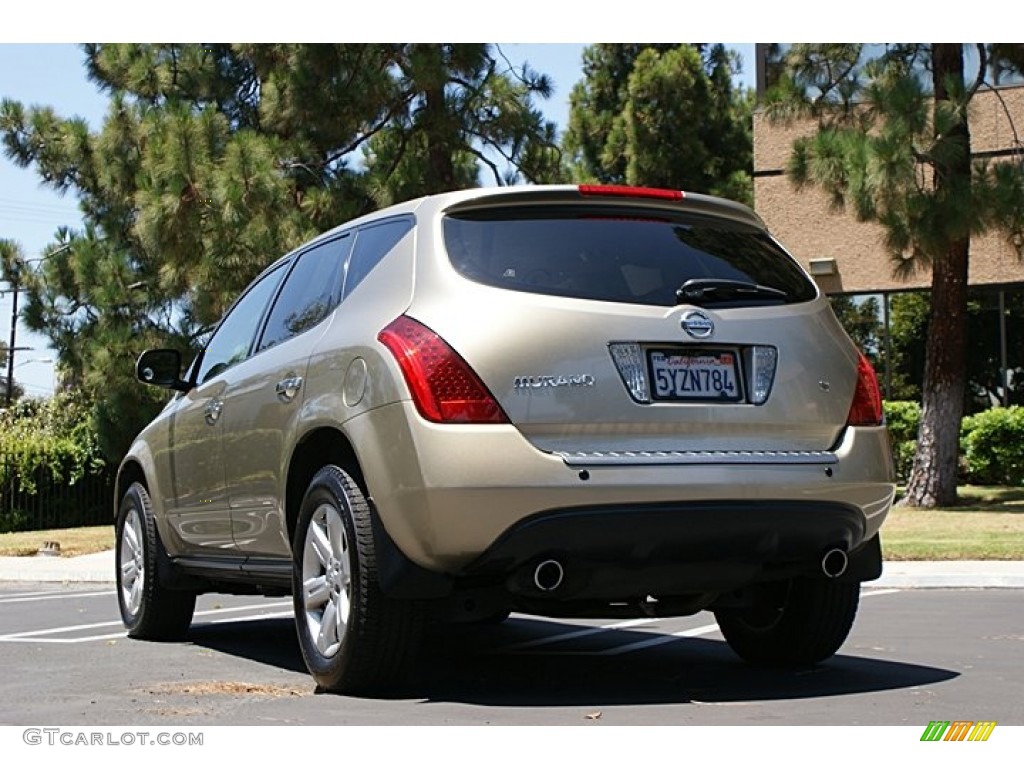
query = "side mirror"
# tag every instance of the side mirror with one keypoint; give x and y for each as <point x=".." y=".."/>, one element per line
<point x="161" y="368"/>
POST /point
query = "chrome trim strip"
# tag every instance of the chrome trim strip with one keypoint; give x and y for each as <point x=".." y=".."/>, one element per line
<point x="606" y="458"/>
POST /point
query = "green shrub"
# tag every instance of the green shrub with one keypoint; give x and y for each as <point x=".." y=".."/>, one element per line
<point x="52" y="472"/>
<point x="992" y="446"/>
<point x="903" y="417"/>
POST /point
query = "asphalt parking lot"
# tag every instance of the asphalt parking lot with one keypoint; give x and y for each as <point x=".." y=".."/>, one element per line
<point x="914" y="656"/>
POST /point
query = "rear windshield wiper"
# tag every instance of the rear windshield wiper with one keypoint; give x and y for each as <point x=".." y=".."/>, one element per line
<point x="710" y="290"/>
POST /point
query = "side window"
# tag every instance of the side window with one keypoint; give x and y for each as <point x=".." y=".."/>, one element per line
<point x="309" y="292"/>
<point x="372" y="244"/>
<point x="233" y="338"/>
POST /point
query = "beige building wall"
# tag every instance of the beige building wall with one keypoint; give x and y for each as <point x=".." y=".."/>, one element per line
<point x="807" y="224"/>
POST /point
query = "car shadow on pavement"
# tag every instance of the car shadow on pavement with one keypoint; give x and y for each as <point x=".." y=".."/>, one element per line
<point x="589" y="672"/>
<point x="505" y="665"/>
<point x="267" y="641"/>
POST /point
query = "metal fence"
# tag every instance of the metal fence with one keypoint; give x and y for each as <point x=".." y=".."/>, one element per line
<point x="48" y="500"/>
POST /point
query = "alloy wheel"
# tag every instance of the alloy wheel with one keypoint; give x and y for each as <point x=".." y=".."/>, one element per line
<point x="133" y="563"/>
<point x="327" y="579"/>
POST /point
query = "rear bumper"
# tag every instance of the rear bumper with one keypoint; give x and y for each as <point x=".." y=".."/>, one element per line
<point x="618" y="552"/>
<point x="462" y="499"/>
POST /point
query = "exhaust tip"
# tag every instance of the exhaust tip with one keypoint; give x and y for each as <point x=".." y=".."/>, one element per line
<point x="834" y="562"/>
<point x="548" y="575"/>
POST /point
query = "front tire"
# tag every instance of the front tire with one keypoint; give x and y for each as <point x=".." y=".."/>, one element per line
<point x="149" y="610"/>
<point x="354" y="639"/>
<point x="801" y="621"/>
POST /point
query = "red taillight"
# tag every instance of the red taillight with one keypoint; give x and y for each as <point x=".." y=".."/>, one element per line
<point x="442" y="384"/>
<point x="617" y="190"/>
<point x="866" y="410"/>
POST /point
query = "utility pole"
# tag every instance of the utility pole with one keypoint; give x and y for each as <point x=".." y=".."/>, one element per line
<point x="14" y="278"/>
<point x="14" y="335"/>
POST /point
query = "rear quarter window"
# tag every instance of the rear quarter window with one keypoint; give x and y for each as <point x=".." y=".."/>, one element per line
<point x="618" y="255"/>
<point x="372" y="244"/>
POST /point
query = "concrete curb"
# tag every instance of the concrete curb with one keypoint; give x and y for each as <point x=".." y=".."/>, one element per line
<point x="94" y="568"/>
<point x="981" y="574"/>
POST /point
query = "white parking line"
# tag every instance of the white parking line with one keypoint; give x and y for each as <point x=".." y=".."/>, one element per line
<point x="58" y="630"/>
<point x="116" y="635"/>
<point x="278" y="615"/>
<point x="32" y="596"/>
<point x="639" y="645"/>
<point x="61" y="640"/>
<point x="45" y="592"/>
<point x="36" y="633"/>
<point x="572" y="635"/>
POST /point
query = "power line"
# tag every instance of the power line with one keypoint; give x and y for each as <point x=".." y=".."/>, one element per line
<point x="20" y="203"/>
<point x="51" y="220"/>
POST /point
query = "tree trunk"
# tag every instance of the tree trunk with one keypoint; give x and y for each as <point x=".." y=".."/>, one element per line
<point x="426" y="67"/>
<point x="933" y="479"/>
<point x="440" y="147"/>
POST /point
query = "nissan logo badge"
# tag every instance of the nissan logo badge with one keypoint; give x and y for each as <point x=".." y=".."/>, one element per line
<point x="698" y="325"/>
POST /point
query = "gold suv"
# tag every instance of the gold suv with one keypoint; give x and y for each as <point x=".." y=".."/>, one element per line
<point x="582" y="401"/>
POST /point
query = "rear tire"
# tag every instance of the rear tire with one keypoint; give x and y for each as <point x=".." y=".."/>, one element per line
<point x="148" y="609"/>
<point x="801" y="621"/>
<point x="354" y="639"/>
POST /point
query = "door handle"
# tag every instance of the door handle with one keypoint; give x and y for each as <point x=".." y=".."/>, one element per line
<point x="288" y="388"/>
<point x="212" y="411"/>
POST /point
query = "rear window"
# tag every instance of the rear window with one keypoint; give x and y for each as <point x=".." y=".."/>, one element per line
<point x="622" y="256"/>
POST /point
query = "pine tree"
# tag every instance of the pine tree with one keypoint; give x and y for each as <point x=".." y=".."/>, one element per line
<point x="661" y="116"/>
<point x="893" y="143"/>
<point x="595" y="102"/>
<point x="460" y="109"/>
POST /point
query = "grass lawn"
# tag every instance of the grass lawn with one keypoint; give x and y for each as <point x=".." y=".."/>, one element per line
<point x="73" y="541"/>
<point x="989" y="525"/>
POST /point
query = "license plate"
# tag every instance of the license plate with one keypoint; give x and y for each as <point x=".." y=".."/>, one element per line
<point x="694" y="374"/>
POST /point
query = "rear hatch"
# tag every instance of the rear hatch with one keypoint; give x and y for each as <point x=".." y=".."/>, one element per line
<point x="617" y="326"/>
